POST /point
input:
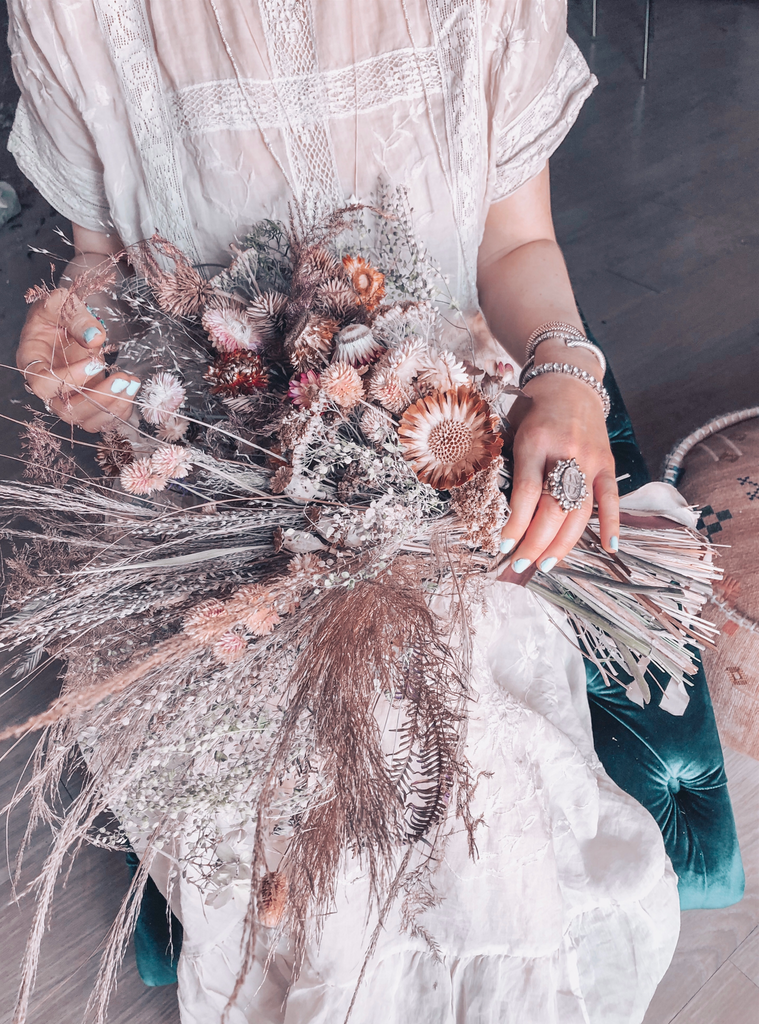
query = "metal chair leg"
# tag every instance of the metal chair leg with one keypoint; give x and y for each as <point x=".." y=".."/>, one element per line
<point x="595" y="19"/>
<point x="646" y="37"/>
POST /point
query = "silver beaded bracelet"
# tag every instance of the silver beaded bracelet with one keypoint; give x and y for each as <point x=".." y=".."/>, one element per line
<point x="571" y="336"/>
<point x="530" y="373"/>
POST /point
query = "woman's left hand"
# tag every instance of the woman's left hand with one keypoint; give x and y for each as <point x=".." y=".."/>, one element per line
<point x="562" y="419"/>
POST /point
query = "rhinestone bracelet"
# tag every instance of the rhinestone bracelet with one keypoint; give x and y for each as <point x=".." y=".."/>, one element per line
<point x="530" y="373"/>
<point x="571" y="336"/>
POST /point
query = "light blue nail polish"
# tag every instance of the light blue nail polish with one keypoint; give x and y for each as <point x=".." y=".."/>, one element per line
<point x="118" y="385"/>
<point x="93" y="367"/>
<point x="547" y="564"/>
<point x="506" y="546"/>
<point x="133" y="388"/>
<point x="614" y="543"/>
<point x="520" y="565"/>
<point x="90" y="334"/>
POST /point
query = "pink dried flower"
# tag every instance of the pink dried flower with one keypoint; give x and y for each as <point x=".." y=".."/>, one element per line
<point x="306" y="563"/>
<point x="304" y="389"/>
<point x="342" y="384"/>
<point x="172" y="462"/>
<point x="160" y="397"/>
<point x="173" y="428"/>
<point x="230" y="647"/>
<point x="253" y="606"/>
<point x="207" y="620"/>
<point x="230" y="329"/>
<point x="139" y="477"/>
<point x="376" y="423"/>
<point x="387" y="388"/>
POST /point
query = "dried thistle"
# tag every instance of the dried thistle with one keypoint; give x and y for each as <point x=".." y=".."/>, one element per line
<point x="114" y="452"/>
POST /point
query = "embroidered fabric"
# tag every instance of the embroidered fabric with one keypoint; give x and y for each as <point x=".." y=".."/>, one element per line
<point x="208" y="118"/>
<point x="289" y="30"/>
<point x="456" y="26"/>
<point x="358" y="89"/>
<point x="76" y="192"/>
<point x="525" y="145"/>
<point x="127" y="30"/>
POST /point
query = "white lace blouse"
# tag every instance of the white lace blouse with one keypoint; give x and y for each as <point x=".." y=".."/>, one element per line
<point x="196" y="118"/>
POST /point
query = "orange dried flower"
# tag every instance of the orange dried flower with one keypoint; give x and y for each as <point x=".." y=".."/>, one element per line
<point x="342" y="384"/>
<point x="367" y="281"/>
<point x="449" y="436"/>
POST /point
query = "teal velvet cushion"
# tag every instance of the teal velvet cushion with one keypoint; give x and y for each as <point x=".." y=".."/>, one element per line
<point x="672" y="765"/>
<point x="155" y="939"/>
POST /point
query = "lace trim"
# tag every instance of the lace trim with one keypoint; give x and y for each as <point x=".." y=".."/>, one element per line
<point x="369" y="85"/>
<point x="456" y="27"/>
<point x="126" y="28"/>
<point x="75" y="192"/>
<point x="289" y="32"/>
<point x="527" y="143"/>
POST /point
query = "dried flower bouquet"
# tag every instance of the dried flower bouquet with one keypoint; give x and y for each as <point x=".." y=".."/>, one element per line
<point x="240" y="585"/>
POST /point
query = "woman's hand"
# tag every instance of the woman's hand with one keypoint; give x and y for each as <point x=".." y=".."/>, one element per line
<point x="60" y="355"/>
<point x="562" y="419"/>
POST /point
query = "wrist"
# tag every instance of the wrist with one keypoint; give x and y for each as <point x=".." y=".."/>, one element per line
<point x="553" y="350"/>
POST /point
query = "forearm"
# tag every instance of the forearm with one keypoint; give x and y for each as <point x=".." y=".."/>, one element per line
<point x="523" y="289"/>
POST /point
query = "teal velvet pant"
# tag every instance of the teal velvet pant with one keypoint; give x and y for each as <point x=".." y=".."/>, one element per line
<point x="673" y="766"/>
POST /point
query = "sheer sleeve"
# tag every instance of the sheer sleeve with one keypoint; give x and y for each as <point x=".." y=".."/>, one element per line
<point x="50" y="140"/>
<point x="538" y="82"/>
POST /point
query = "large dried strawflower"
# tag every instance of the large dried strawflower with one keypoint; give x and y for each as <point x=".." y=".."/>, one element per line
<point x="139" y="477"/>
<point x="312" y="346"/>
<point x="172" y="462"/>
<point x="114" y="452"/>
<point x="236" y="373"/>
<point x="367" y="281"/>
<point x="304" y="389"/>
<point x="266" y="314"/>
<point x="230" y="329"/>
<point x="357" y="345"/>
<point x="387" y="388"/>
<point x="343" y="385"/>
<point x="449" y="436"/>
<point x="160" y="397"/>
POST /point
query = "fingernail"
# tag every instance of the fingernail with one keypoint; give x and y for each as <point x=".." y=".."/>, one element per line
<point x="118" y="385"/>
<point x="520" y="565"/>
<point x="506" y="546"/>
<point x="94" y="366"/>
<point x="133" y="388"/>
<point x="90" y="334"/>
<point x="614" y="543"/>
<point x="547" y="564"/>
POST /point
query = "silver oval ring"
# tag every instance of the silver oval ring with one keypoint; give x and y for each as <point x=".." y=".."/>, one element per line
<point x="566" y="483"/>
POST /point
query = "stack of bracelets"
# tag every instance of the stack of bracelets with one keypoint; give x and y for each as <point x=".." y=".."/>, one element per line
<point x="572" y="338"/>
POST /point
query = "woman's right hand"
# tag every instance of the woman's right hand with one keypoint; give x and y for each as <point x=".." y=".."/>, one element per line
<point x="60" y="355"/>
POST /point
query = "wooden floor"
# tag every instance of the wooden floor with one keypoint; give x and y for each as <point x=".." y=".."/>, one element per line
<point x="655" y="205"/>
